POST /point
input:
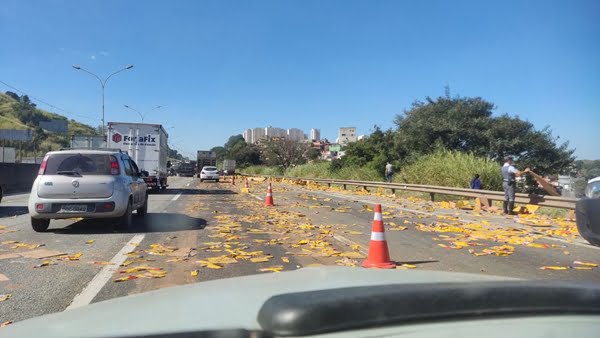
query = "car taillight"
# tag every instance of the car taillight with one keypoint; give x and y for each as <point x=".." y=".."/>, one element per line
<point x="114" y="166"/>
<point x="43" y="166"/>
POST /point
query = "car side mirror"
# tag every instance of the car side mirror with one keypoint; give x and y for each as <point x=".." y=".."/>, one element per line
<point x="587" y="215"/>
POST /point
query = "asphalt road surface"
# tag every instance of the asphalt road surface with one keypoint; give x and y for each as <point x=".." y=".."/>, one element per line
<point x="202" y="231"/>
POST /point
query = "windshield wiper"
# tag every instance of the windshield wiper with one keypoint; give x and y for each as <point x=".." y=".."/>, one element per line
<point x="333" y="310"/>
<point x="68" y="173"/>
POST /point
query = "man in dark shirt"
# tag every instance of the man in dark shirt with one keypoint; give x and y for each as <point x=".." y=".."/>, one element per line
<point x="475" y="182"/>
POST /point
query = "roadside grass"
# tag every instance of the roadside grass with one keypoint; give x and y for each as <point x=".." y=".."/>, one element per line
<point x="451" y="169"/>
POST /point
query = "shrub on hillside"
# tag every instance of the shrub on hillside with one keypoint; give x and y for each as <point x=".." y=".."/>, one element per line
<point x="451" y="169"/>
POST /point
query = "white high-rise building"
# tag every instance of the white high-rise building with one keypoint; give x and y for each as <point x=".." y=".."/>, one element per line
<point x="315" y="134"/>
<point x="295" y="134"/>
<point x="346" y="135"/>
<point x="255" y="135"/>
<point x="247" y="135"/>
<point x="258" y="134"/>
<point x="275" y="132"/>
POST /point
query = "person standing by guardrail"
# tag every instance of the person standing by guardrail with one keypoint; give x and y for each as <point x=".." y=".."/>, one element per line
<point x="509" y="182"/>
<point x="389" y="172"/>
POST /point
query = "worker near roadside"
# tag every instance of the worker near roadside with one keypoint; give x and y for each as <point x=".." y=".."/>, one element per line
<point x="476" y="183"/>
<point x="509" y="182"/>
<point x="389" y="172"/>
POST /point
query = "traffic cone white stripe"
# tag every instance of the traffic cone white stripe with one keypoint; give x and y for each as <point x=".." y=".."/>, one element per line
<point x="377" y="217"/>
<point x="378" y="236"/>
<point x="269" y="194"/>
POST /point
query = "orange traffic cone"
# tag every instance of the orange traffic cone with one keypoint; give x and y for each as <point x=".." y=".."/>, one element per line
<point x="269" y="198"/>
<point x="246" y="184"/>
<point x="379" y="255"/>
<point x="233" y="180"/>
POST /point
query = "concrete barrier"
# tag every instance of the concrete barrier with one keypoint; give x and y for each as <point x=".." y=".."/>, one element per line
<point x="17" y="177"/>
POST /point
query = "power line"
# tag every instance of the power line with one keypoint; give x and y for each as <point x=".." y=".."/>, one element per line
<point x="46" y="103"/>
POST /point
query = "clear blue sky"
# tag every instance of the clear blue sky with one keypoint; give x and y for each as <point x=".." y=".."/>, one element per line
<point x="219" y="67"/>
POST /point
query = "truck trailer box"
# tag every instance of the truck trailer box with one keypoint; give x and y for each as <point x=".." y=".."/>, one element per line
<point x="146" y="144"/>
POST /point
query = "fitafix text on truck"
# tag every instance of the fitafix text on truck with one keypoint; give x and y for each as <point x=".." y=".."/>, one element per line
<point x="146" y="144"/>
<point x="206" y="158"/>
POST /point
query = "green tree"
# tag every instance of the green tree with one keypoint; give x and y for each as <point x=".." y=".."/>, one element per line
<point x="249" y="155"/>
<point x="455" y="123"/>
<point x="466" y="124"/>
<point x="285" y="153"/>
<point x="26" y="111"/>
<point x="313" y="154"/>
<point x="587" y="169"/>
<point x="15" y="96"/>
<point x="237" y="149"/>
<point x="220" y="151"/>
<point x="374" y="151"/>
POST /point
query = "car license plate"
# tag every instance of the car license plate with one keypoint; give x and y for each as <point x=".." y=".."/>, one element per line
<point x="73" y="208"/>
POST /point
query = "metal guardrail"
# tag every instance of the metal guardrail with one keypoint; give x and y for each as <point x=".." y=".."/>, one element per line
<point x="490" y="195"/>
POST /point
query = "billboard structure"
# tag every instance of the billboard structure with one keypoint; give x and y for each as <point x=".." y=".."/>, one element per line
<point x="16" y="134"/>
<point x="55" y="126"/>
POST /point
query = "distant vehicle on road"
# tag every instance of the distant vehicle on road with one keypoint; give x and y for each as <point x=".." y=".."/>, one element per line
<point x="147" y="145"/>
<point x="187" y="169"/>
<point x="206" y="158"/>
<point x="88" y="184"/>
<point x="229" y="167"/>
<point x="209" y="173"/>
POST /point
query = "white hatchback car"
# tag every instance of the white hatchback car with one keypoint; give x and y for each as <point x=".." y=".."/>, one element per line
<point x="87" y="183"/>
<point x="209" y="173"/>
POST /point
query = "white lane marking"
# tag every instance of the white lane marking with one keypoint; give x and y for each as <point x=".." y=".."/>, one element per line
<point x="339" y="238"/>
<point x="176" y="197"/>
<point x="187" y="185"/>
<point x="88" y="293"/>
<point x="348" y="242"/>
<point x="97" y="283"/>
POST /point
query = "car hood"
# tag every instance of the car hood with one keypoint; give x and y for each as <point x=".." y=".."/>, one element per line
<point x="220" y="304"/>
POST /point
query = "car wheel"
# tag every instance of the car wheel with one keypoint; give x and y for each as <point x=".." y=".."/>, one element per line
<point x="217" y="181"/>
<point x="201" y="180"/>
<point x="126" y="220"/>
<point x="143" y="210"/>
<point x="1" y="194"/>
<point x="40" y="225"/>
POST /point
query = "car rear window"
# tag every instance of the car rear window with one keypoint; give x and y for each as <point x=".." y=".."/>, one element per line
<point x="83" y="164"/>
<point x="210" y="168"/>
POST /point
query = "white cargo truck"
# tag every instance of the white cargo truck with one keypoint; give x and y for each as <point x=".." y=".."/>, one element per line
<point x="147" y="145"/>
<point x="229" y="167"/>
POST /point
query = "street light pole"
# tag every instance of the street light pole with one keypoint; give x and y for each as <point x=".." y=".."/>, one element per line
<point x="142" y="116"/>
<point x="102" y="84"/>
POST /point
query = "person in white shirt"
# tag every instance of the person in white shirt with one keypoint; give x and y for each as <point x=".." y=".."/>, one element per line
<point x="389" y="172"/>
<point x="509" y="174"/>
